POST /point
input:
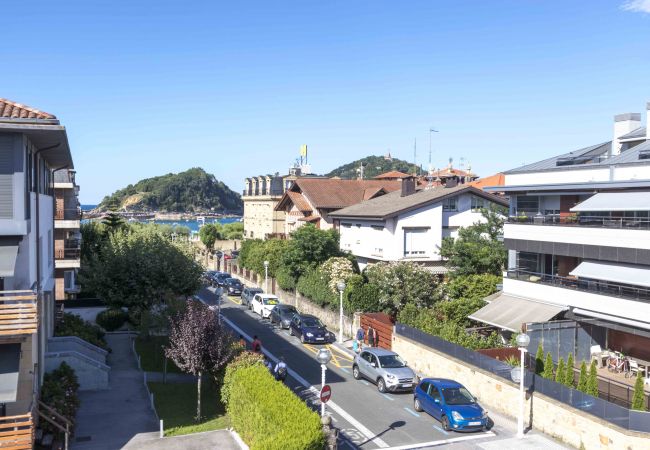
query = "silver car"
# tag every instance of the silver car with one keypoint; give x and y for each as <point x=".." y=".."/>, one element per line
<point x="385" y="368"/>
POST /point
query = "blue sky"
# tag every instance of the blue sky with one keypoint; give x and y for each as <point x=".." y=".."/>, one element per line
<point x="150" y="87"/>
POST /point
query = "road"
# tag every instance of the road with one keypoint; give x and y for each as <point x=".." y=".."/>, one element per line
<point x="366" y="418"/>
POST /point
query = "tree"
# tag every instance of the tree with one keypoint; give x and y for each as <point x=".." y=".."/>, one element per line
<point x="548" y="367"/>
<point x="582" y="381"/>
<point x="477" y="249"/>
<point x="539" y="359"/>
<point x="592" y="380"/>
<point x="209" y="235"/>
<point x="638" y="398"/>
<point x="309" y="247"/>
<point x="472" y="287"/>
<point x="337" y="268"/>
<point x="569" y="376"/>
<point x="113" y="221"/>
<point x="198" y="343"/>
<point x="560" y="372"/>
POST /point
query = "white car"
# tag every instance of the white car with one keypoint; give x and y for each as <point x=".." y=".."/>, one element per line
<point x="263" y="304"/>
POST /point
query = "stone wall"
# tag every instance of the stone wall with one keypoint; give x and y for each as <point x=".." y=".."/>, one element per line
<point x="568" y="424"/>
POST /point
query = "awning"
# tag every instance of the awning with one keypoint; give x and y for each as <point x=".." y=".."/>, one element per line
<point x="613" y="272"/>
<point x="8" y="259"/>
<point x="509" y="312"/>
<point x="9" y="364"/>
<point x="615" y="201"/>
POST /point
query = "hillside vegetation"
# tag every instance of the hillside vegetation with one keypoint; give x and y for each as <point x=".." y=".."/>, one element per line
<point x="373" y="166"/>
<point x="191" y="191"/>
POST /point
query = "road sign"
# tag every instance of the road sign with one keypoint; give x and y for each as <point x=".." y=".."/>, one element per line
<point x="325" y="393"/>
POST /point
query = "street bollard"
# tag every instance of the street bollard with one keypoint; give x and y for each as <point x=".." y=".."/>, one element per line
<point x="162" y="432"/>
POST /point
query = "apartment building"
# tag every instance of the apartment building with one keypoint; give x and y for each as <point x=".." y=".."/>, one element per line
<point x="33" y="144"/>
<point x="578" y="236"/>
<point x="67" y="236"/>
<point x="409" y="224"/>
<point x="261" y="195"/>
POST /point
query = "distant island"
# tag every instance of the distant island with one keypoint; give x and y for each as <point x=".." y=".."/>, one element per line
<point x="372" y="166"/>
<point x="191" y="192"/>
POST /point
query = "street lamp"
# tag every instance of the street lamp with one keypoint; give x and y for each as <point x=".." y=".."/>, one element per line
<point x="266" y="276"/>
<point x="341" y="287"/>
<point x="522" y="342"/>
<point x="324" y="356"/>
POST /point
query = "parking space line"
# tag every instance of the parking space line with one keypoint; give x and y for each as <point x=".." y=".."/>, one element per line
<point x="344" y="370"/>
<point x="440" y="429"/>
<point x="442" y="441"/>
<point x="411" y="412"/>
<point x="365" y="382"/>
<point x="388" y="397"/>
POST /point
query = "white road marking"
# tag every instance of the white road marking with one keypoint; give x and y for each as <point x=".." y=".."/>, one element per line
<point x="388" y="397"/>
<point x="331" y="405"/>
<point x="440" y="429"/>
<point x="411" y="412"/>
<point x="442" y="441"/>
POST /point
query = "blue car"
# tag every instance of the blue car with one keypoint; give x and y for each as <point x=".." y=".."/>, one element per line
<point x="309" y="329"/>
<point x="450" y="403"/>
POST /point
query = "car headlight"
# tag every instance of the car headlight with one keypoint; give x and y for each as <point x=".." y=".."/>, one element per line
<point x="390" y="376"/>
<point x="484" y="414"/>
<point x="309" y="334"/>
<point x="456" y="415"/>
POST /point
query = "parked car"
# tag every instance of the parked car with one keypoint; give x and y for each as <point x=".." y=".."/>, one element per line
<point x="282" y="315"/>
<point x="207" y="276"/>
<point x="234" y="254"/>
<point x="262" y="304"/>
<point x="214" y="275"/>
<point x="451" y="403"/>
<point x="233" y="286"/>
<point x="385" y="368"/>
<point x="247" y="295"/>
<point x="220" y="279"/>
<point x="309" y="329"/>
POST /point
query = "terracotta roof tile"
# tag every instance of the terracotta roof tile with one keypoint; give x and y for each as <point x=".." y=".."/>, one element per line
<point x="498" y="179"/>
<point x="392" y="174"/>
<point x="299" y="201"/>
<point x="13" y="110"/>
<point x="334" y="194"/>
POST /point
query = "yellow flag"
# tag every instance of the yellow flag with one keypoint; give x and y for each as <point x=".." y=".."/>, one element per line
<point x="303" y="150"/>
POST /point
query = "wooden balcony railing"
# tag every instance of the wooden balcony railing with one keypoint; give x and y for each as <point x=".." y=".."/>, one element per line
<point x="68" y="214"/>
<point x="17" y="432"/>
<point x="18" y="313"/>
<point x="67" y="253"/>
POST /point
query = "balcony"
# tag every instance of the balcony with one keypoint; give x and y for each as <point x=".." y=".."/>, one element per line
<point x="17" y="432"/>
<point x="574" y="220"/>
<point x="69" y="256"/>
<point x="18" y="313"/>
<point x="67" y="218"/>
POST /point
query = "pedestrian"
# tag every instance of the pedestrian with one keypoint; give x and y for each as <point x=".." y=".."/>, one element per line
<point x="375" y="338"/>
<point x="359" y="339"/>
<point x="281" y="369"/>
<point x="371" y="336"/>
<point x="256" y="346"/>
<point x="242" y="342"/>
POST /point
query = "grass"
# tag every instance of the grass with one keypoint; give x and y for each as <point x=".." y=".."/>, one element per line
<point x="151" y="354"/>
<point x="176" y="406"/>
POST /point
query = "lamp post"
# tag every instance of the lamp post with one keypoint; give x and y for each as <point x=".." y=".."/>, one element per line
<point x="266" y="276"/>
<point x="522" y="342"/>
<point x="341" y="287"/>
<point x="324" y="356"/>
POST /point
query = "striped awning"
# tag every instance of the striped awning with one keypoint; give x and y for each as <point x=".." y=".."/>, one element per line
<point x="509" y="312"/>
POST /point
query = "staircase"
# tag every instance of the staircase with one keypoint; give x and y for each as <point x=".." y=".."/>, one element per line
<point x="62" y="424"/>
<point x="87" y="360"/>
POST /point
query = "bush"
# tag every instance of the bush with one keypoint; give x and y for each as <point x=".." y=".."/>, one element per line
<point x="284" y="279"/>
<point x="548" y="367"/>
<point x="112" y="319"/>
<point x="539" y="359"/>
<point x="592" y="380"/>
<point x="582" y="381"/>
<point x="569" y="376"/>
<point x="560" y="372"/>
<point x="361" y="296"/>
<point x="471" y="287"/>
<point x="59" y="391"/>
<point x="314" y="285"/>
<point x="638" y="398"/>
<point x="73" y="325"/>
<point x="244" y="359"/>
<point x="267" y="414"/>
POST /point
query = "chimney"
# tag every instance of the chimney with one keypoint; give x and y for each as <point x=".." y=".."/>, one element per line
<point x="408" y="186"/>
<point x="623" y="124"/>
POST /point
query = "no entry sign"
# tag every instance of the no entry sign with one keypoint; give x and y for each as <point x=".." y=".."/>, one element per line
<point x="325" y="393"/>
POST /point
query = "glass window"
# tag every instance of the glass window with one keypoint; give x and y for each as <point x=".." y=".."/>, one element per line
<point x="312" y="322"/>
<point x="478" y="203"/>
<point x="415" y="242"/>
<point x="434" y="392"/>
<point x="425" y="386"/>
<point x="457" y="396"/>
<point x="528" y="262"/>
<point x="391" y="361"/>
<point x="449" y="204"/>
<point x="527" y="204"/>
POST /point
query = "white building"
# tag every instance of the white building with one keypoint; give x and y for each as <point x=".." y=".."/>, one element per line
<point x="579" y="248"/>
<point x="409" y="224"/>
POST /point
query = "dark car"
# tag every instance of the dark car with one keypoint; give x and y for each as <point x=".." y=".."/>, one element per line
<point x="214" y="276"/>
<point x="247" y="295"/>
<point x="234" y="254"/>
<point x="282" y="315"/>
<point x="450" y="403"/>
<point x="207" y="276"/>
<point x="220" y="279"/>
<point x="309" y="329"/>
<point x="233" y="286"/>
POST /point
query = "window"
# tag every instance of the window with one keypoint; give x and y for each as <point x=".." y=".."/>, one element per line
<point x="415" y="242"/>
<point x="527" y="204"/>
<point x="529" y="262"/>
<point x="449" y="204"/>
<point x="377" y="227"/>
<point x="68" y="279"/>
<point x="434" y="392"/>
<point x="478" y="203"/>
<point x="346" y="225"/>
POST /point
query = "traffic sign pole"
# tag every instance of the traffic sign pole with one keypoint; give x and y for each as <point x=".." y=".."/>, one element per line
<point x="322" y="403"/>
<point x="325" y="393"/>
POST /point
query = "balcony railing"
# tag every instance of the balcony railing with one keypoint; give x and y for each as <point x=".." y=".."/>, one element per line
<point x="18" y="313"/>
<point x="68" y="214"/>
<point x="67" y="253"/>
<point x="590" y="286"/>
<point x="17" y="432"/>
<point x="583" y="221"/>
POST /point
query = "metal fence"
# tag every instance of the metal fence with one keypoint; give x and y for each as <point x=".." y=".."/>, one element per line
<point x="608" y="411"/>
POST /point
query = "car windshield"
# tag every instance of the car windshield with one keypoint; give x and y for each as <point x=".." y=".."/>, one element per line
<point x="311" y="322"/>
<point x="391" y="361"/>
<point x="287" y="310"/>
<point x="270" y="301"/>
<point x="457" y="396"/>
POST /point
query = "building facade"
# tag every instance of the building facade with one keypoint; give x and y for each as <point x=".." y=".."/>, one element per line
<point x="261" y="195"/>
<point x="578" y="236"/>
<point x="67" y="236"/>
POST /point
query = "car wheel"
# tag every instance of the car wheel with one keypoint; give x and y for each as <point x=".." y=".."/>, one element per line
<point x="302" y="338"/>
<point x="381" y="385"/>
<point x="445" y="423"/>
<point x="416" y="405"/>
<point x="355" y="372"/>
<point x="291" y="331"/>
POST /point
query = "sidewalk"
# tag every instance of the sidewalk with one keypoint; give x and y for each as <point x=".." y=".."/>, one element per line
<point x="218" y="439"/>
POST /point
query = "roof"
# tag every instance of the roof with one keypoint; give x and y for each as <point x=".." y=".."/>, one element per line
<point x="615" y="201"/>
<point x="551" y="163"/>
<point x="328" y="193"/>
<point x="634" y="134"/>
<point x="299" y="201"/>
<point x="443" y="382"/>
<point x="392" y="174"/>
<point x="13" y="110"/>
<point x="450" y="172"/>
<point x="392" y="204"/>
<point x="587" y="187"/>
<point x="498" y="179"/>
<point x="379" y="351"/>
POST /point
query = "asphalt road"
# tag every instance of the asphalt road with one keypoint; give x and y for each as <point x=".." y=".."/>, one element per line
<point x="366" y="418"/>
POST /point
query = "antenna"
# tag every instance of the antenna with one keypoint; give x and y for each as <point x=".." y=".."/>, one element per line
<point x="430" y="173"/>
<point x="415" y="152"/>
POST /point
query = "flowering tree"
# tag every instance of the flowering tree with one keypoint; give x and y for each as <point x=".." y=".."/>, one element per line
<point x="198" y="343"/>
<point x="337" y="268"/>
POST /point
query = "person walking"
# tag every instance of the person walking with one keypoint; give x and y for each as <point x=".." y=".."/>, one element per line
<point x="256" y="346"/>
<point x="371" y="336"/>
<point x="375" y="338"/>
<point x="242" y="342"/>
<point x="281" y="370"/>
<point x="359" y="339"/>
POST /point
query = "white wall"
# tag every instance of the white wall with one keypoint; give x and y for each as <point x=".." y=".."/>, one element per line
<point x="559" y="176"/>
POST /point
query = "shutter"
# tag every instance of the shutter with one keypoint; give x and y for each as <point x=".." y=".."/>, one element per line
<point x="6" y="177"/>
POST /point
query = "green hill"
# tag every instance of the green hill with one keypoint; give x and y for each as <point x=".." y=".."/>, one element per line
<point x="191" y="191"/>
<point x="373" y="166"/>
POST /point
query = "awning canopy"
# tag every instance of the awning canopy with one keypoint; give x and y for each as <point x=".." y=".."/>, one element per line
<point x="9" y="364"/>
<point x="615" y="201"/>
<point x="613" y="272"/>
<point x="7" y="259"/>
<point x="509" y="312"/>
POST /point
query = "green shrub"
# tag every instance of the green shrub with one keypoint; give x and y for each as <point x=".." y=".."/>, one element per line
<point x="268" y="415"/>
<point x="244" y="359"/>
<point x="582" y="381"/>
<point x="539" y="359"/>
<point x="548" y="367"/>
<point x="364" y="298"/>
<point x="73" y="325"/>
<point x="592" y="380"/>
<point x="285" y="279"/>
<point x="314" y="285"/>
<point x="560" y="373"/>
<point x="638" y="398"/>
<point x="112" y="319"/>
<point x="59" y="391"/>
<point x="569" y="376"/>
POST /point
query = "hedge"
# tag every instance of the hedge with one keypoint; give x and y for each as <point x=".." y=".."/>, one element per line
<point x="268" y="415"/>
<point x="73" y="325"/>
<point x="111" y="319"/>
<point x="59" y="390"/>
